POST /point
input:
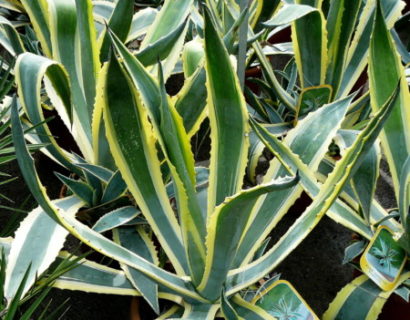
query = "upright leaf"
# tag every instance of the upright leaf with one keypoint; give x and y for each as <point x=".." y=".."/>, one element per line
<point x="119" y="23"/>
<point x="310" y="44"/>
<point x="227" y="105"/>
<point x="385" y="70"/>
<point x="222" y="240"/>
<point x="341" y="22"/>
<point x="133" y="147"/>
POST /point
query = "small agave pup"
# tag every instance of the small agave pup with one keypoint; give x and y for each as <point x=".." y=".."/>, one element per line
<point x="213" y="241"/>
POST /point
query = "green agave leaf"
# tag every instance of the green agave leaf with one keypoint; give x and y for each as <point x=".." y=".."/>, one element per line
<point x="91" y="179"/>
<point x="169" y="22"/>
<point x="360" y="299"/>
<point x="357" y="56"/>
<point x="172" y="313"/>
<point x="249" y="311"/>
<point x="36" y="244"/>
<point x="64" y="37"/>
<point x="264" y="11"/>
<point x="328" y="193"/>
<point x="176" y="147"/>
<point x="141" y="21"/>
<point x="353" y="251"/>
<point x="191" y="101"/>
<point x="226" y="105"/>
<point x="99" y="172"/>
<point x="162" y="47"/>
<point x="256" y="147"/>
<point x="222" y="239"/>
<point x="289" y="13"/>
<point x="139" y="242"/>
<point x="377" y="212"/>
<point x="310" y="144"/>
<point x="85" y="234"/>
<point x="37" y="11"/>
<point x="364" y="179"/>
<point x="312" y="98"/>
<point x="103" y="9"/>
<point x="404" y="198"/>
<point x="199" y="311"/>
<point x="13" y="5"/>
<point x="90" y="64"/>
<point x="16" y="44"/>
<point x="310" y="46"/>
<point x="192" y="56"/>
<point x="170" y="17"/>
<point x="133" y="148"/>
<point x="404" y="203"/>
<point x="383" y="77"/>
<point x="341" y="21"/>
<point x="148" y="87"/>
<point x="79" y="188"/>
<point x="89" y="276"/>
<point x="114" y="189"/>
<point x="281" y="93"/>
<point x="120" y="23"/>
<point x="30" y="70"/>
<point x="227" y="309"/>
<point x="116" y="218"/>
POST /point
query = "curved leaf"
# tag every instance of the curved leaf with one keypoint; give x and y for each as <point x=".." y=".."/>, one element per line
<point x="36" y="244"/>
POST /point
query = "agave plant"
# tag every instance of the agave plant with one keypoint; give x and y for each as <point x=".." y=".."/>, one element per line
<point x="323" y="66"/>
<point x="214" y="236"/>
<point x="395" y="147"/>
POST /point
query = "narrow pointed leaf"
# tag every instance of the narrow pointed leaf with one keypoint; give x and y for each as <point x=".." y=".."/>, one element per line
<point x="289" y="13"/>
<point x="37" y="11"/>
<point x="116" y="218"/>
<point x="226" y="103"/>
<point x="115" y="188"/>
<point x="360" y="299"/>
<point x="133" y="146"/>
<point x="222" y="239"/>
<point x="84" y="233"/>
<point x="120" y="23"/>
<point x="79" y="188"/>
<point x="37" y="243"/>
<point x="30" y="69"/>
<point x="395" y="136"/>
<point x="310" y="145"/>
<point x="357" y="56"/>
<point x="341" y="21"/>
<point x="191" y="101"/>
<point x="171" y="16"/>
<point x="243" y="277"/>
<point x="310" y="45"/>
<point x="13" y="36"/>
<point x="138" y="241"/>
